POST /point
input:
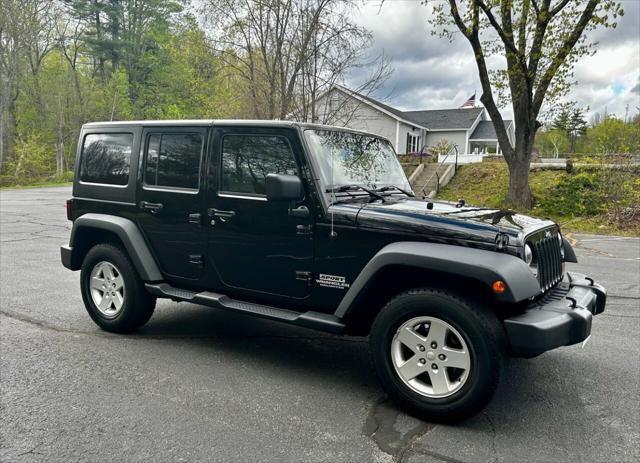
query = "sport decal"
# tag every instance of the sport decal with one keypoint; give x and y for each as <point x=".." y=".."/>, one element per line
<point x="332" y="281"/>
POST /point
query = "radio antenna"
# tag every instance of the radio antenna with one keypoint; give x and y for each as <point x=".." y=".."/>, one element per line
<point x="333" y="234"/>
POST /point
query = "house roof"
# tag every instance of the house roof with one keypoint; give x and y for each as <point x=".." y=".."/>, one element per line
<point x="486" y="131"/>
<point x="400" y="115"/>
<point x="435" y="119"/>
<point x="441" y="119"/>
<point x="397" y="112"/>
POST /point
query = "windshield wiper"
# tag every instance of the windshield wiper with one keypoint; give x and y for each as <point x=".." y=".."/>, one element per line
<point x="348" y="188"/>
<point x="393" y="187"/>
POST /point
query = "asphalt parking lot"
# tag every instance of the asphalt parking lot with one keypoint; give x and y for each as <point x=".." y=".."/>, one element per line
<point x="201" y="384"/>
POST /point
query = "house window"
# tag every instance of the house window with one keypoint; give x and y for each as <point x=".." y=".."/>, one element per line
<point x="413" y="143"/>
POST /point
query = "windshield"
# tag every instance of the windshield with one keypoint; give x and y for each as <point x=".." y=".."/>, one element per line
<point x="353" y="159"/>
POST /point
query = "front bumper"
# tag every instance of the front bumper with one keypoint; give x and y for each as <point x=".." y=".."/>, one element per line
<point x="561" y="318"/>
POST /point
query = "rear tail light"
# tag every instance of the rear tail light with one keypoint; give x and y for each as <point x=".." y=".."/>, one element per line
<point x="69" y="209"/>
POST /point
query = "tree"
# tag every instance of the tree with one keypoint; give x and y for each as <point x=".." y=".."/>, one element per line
<point x="26" y="28"/>
<point x="612" y="136"/>
<point x="541" y="41"/>
<point x="288" y="52"/>
<point x="552" y="140"/>
<point x="442" y="147"/>
<point x="571" y="121"/>
<point x="123" y="32"/>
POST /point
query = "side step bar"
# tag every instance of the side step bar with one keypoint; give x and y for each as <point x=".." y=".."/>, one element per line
<point x="313" y="320"/>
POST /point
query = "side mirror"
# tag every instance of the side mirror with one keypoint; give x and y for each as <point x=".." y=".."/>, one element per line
<point x="281" y="187"/>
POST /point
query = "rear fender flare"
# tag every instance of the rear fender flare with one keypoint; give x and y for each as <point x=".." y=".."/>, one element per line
<point x="129" y="234"/>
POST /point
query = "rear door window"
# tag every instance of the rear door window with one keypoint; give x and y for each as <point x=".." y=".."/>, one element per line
<point x="173" y="160"/>
<point x="106" y="158"/>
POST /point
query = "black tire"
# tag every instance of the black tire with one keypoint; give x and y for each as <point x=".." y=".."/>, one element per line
<point x="480" y="329"/>
<point x="137" y="305"/>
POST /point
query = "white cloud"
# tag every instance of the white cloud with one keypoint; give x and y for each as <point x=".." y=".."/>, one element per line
<point x="432" y="73"/>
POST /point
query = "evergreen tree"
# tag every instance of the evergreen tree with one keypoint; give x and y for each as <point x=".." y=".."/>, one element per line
<point x="571" y="121"/>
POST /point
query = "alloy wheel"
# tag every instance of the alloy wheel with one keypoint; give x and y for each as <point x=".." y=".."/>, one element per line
<point x="431" y="357"/>
<point x="107" y="289"/>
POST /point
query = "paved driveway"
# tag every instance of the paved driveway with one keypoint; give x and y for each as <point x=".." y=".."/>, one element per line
<point x="201" y="384"/>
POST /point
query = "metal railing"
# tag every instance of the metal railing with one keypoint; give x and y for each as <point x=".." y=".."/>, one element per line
<point x="437" y="175"/>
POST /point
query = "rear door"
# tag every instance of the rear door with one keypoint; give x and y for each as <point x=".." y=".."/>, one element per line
<point x="255" y="245"/>
<point x="170" y="199"/>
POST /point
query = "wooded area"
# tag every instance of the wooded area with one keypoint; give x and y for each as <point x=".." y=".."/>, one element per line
<point x="570" y="135"/>
<point x="67" y="62"/>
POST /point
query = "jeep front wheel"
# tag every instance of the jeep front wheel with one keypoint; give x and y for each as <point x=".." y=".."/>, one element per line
<point x="112" y="291"/>
<point x="437" y="355"/>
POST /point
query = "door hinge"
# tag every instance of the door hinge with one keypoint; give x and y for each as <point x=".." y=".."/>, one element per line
<point x="196" y="259"/>
<point x="304" y="276"/>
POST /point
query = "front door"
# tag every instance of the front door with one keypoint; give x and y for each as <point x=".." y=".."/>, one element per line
<point x="257" y="246"/>
<point x="171" y="199"/>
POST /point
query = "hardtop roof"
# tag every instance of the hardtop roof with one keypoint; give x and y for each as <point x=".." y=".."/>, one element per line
<point x="225" y="123"/>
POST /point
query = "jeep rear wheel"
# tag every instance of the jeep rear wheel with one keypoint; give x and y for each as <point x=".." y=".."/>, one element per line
<point x="112" y="291"/>
<point x="437" y="355"/>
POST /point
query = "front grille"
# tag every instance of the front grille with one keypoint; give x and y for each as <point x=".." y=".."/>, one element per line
<point x="546" y="255"/>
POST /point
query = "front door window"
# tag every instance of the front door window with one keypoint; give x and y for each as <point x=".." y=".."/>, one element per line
<point x="248" y="159"/>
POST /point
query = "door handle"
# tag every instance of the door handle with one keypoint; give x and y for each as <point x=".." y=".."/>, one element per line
<point x="154" y="208"/>
<point x="224" y="216"/>
<point x="300" y="211"/>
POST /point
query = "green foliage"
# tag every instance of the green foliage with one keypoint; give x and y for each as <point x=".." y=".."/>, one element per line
<point x="571" y="122"/>
<point x="594" y="198"/>
<point x="575" y="195"/>
<point x="609" y="136"/>
<point x="134" y="60"/>
<point x="614" y="136"/>
<point x="552" y="142"/>
<point x="33" y="158"/>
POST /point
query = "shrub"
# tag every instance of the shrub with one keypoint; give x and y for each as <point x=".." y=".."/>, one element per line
<point x="35" y="158"/>
<point x="575" y="195"/>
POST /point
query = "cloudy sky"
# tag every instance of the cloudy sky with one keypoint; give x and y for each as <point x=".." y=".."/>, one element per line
<point x="432" y="73"/>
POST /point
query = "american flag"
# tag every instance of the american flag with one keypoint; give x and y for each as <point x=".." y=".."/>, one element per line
<point x="471" y="102"/>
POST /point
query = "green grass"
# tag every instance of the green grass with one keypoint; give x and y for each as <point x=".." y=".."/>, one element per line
<point x="10" y="182"/>
<point x="583" y="201"/>
<point x="35" y="185"/>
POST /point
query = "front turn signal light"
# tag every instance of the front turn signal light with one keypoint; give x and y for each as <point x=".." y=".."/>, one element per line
<point x="499" y="286"/>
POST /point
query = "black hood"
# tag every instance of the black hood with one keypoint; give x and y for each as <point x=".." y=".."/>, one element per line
<point x="444" y="220"/>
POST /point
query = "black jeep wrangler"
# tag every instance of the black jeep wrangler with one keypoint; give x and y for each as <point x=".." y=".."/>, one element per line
<point x="318" y="227"/>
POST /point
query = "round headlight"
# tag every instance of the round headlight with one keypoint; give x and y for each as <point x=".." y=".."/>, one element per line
<point x="528" y="254"/>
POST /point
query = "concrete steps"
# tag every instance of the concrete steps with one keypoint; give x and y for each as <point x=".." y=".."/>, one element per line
<point x="427" y="181"/>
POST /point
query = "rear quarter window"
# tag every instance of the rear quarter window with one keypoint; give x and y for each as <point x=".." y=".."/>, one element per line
<point x="106" y="158"/>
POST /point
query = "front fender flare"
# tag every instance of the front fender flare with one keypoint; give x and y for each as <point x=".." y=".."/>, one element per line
<point x="478" y="264"/>
<point x="129" y="234"/>
<point x="569" y="253"/>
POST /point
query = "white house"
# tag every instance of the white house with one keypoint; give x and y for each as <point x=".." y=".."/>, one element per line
<point x="412" y="131"/>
